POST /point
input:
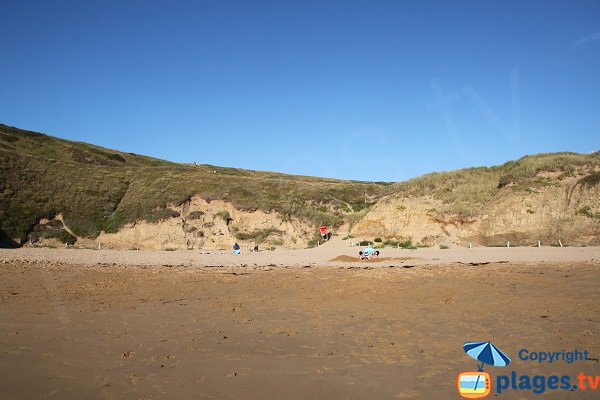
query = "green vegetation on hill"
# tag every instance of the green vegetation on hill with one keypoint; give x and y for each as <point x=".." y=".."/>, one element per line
<point x="465" y="190"/>
<point x="99" y="189"/>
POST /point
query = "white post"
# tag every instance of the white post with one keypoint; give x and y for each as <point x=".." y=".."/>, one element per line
<point x="539" y="244"/>
<point x="99" y="246"/>
<point x="318" y="243"/>
<point x="470" y="246"/>
<point x="559" y="242"/>
<point x="508" y="244"/>
<point x="398" y="246"/>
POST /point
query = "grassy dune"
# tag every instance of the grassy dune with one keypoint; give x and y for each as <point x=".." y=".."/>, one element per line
<point x="99" y="189"/>
<point x="466" y="189"/>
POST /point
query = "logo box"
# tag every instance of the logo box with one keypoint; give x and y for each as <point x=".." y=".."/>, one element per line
<point x="473" y="385"/>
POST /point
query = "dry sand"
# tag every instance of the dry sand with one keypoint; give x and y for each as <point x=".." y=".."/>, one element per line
<point x="84" y="324"/>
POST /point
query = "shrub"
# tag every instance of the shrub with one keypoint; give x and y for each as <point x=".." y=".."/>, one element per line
<point x="407" y="244"/>
<point x="162" y="214"/>
<point x="586" y="211"/>
<point x="591" y="180"/>
<point x="259" y="235"/>
<point x="54" y="229"/>
<point x="115" y="157"/>
<point x="194" y="215"/>
<point x="378" y="240"/>
<point x="224" y="215"/>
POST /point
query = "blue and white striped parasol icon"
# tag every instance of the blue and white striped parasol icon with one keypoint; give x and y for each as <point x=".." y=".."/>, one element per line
<point x="486" y="353"/>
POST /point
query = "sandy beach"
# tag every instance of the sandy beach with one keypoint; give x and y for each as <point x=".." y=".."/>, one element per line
<point x="289" y="324"/>
<point x="300" y="200"/>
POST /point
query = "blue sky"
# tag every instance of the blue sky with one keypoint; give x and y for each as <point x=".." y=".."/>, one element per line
<point x="370" y="90"/>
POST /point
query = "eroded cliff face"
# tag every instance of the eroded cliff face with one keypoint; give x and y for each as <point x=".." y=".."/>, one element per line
<point x="566" y="210"/>
<point x="212" y="225"/>
<point x="199" y="224"/>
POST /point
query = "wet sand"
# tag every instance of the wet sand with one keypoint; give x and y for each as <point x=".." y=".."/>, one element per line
<point x="100" y="325"/>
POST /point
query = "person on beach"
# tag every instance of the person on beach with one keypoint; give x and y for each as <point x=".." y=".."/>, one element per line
<point x="236" y="248"/>
<point x="368" y="252"/>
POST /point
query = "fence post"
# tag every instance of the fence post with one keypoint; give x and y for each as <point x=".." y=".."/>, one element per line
<point x="539" y="244"/>
<point x="559" y="242"/>
<point x="470" y="246"/>
<point x="508" y="244"/>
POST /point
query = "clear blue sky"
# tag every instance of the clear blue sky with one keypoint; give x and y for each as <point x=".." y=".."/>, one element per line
<point x="372" y="90"/>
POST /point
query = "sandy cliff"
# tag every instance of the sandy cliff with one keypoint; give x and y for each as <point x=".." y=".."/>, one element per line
<point x="200" y="224"/>
<point x="568" y="209"/>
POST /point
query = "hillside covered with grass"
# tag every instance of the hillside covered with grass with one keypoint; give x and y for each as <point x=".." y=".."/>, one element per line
<point x="465" y="191"/>
<point x="553" y="199"/>
<point x="100" y="190"/>
<point x="97" y="189"/>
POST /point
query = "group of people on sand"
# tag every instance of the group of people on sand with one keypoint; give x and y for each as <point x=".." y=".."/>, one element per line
<point x="365" y="254"/>
<point x="368" y="253"/>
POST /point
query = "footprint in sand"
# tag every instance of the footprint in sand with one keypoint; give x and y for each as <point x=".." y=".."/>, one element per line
<point x="134" y="379"/>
